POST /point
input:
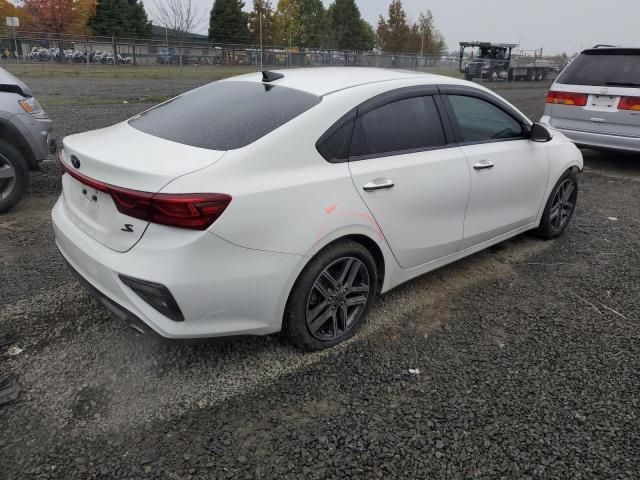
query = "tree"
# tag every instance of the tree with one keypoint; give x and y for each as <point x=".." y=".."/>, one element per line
<point x="180" y="16"/>
<point x="60" y="16"/>
<point x="269" y="34"/>
<point x="289" y="22"/>
<point x="8" y="9"/>
<point x="120" y="18"/>
<point x="313" y="17"/>
<point x="228" y="23"/>
<point x="394" y="33"/>
<point x="431" y="40"/>
<point x="347" y="29"/>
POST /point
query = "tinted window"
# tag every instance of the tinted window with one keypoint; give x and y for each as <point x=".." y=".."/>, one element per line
<point x="601" y="68"/>
<point x="224" y="115"/>
<point x="479" y="120"/>
<point x="409" y="124"/>
<point x="339" y="143"/>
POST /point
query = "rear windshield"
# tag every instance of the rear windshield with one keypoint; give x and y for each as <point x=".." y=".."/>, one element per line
<point x="604" y="68"/>
<point x="224" y="115"/>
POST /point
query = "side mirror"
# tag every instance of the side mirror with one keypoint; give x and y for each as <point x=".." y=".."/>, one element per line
<point x="540" y="133"/>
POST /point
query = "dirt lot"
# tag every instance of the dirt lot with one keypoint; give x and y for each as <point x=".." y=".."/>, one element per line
<point x="529" y="353"/>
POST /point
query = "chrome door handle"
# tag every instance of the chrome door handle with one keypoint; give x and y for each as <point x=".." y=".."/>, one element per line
<point x="483" y="164"/>
<point x="378" y="184"/>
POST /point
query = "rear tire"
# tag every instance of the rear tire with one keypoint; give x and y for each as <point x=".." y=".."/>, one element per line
<point x="332" y="297"/>
<point x="14" y="176"/>
<point x="560" y="207"/>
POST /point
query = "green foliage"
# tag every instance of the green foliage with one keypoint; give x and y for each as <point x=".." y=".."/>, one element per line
<point x="120" y="18"/>
<point x="396" y="35"/>
<point x="314" y="23"/>
<point x="289" y="22"/>
<point x="269" y="33"/>
<point x="347" y="29"/>
<point x="228" y="23"/>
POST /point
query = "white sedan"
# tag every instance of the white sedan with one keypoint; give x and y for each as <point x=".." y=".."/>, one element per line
<point x="289" y="200"/>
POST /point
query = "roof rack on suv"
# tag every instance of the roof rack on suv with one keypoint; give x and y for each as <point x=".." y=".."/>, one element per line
<point x="602" y="45"/>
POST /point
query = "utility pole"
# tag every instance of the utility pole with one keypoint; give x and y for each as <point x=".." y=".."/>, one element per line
<point x="260" y="40"/>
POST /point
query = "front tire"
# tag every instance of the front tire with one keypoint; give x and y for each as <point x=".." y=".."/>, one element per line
<point x="14" y="176"/>
<point x="560" y="207"/>
<point x="332" y="297"/>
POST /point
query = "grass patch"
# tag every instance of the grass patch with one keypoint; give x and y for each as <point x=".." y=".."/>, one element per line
<point x="125" y="71"/>
<point x="55" y="101"/>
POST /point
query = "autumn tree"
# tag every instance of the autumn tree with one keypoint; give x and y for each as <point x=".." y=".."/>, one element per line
<point x="269" y="35"/>
<point x="8" y="9"/>
<point x="228" y="23"/>
<point x="394" y="33"/>
<point x="62" y="17"/>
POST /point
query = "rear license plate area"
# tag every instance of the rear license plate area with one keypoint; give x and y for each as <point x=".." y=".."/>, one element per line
<point x="603" y="102"/>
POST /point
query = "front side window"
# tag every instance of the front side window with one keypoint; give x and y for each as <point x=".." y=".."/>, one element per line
<point x="482" y="121"/>
<point x="403" y="125"/>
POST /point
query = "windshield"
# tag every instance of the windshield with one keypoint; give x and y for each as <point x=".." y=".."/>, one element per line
<point x="602" y="68"/>
<point x="224" y="115"/>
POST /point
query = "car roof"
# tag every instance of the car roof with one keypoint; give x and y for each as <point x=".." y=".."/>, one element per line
<point x="604" y="49"/>
<point x="326" y="80"/>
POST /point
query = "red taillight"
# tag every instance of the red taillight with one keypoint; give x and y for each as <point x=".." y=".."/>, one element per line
<point x="567" y="98"/>
<point x="196" y="211"/>
<point x="629" y="103"/>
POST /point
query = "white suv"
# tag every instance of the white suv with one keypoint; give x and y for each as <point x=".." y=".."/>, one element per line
<point x="596" y="100"/>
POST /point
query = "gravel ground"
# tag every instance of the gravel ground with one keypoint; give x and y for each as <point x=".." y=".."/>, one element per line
<point x="528" y="356"/>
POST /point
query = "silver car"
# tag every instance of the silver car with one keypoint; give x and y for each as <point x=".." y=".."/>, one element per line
<point x="595" y="101"/>
<point x="25" y="138"/>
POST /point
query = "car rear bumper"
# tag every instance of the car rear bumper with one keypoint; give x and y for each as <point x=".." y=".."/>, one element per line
<point x="597" y="140"/>
<point x="221" y="289"/>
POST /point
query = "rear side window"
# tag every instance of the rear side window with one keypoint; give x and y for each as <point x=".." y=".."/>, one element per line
<point x="224" y="115"/>
<point x="603" y="68"/>
<point x="408" y="124"/>
<point x="481" y="121"/>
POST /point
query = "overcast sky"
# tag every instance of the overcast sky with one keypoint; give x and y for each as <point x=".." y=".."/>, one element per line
<point x="556" y="25"/>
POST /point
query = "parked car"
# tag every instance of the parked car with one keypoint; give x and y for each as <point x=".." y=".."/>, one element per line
<point x="596" y="100"/>
<point x="290" y="200"/>
<point x="25" y="138"/>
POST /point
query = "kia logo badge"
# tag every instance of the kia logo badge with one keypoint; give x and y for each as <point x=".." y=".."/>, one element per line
<point x="74" y="161"/>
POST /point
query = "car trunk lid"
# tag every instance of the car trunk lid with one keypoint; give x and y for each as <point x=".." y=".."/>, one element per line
<point x="124" y="157"/>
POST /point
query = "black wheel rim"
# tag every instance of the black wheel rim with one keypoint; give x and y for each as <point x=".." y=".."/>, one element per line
<point x="7" y="177"/>
<point x="337" y="299"/>
<point x="564" y="201"/>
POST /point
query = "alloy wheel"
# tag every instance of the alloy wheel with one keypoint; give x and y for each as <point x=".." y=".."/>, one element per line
<point x="564" y="201"/>
<point x="7" y="178"/>
<point x="337" y="299"/>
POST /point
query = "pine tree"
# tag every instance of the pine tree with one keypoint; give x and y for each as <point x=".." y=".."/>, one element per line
<point x="120" y="18"/>
<point x="228" y="23"/>
<point x="348" y="30"/>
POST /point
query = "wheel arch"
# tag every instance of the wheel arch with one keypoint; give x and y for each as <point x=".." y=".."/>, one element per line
<point x="14" y="137"/>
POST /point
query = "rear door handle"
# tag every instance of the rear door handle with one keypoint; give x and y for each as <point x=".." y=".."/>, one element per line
<point x="483" y="164"/>
<point x="378" y="184"/>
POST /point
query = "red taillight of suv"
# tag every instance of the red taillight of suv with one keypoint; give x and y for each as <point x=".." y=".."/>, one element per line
<point x="629" y="103"/>
<point x="567" y="98"/>
<point x="196" y="211"/>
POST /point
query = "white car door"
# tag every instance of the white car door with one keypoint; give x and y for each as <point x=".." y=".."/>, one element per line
<point x="413" y="180"/>
<point x="508" y="171"/>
